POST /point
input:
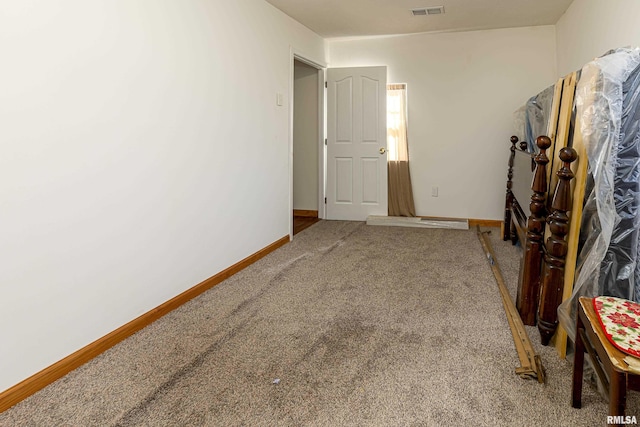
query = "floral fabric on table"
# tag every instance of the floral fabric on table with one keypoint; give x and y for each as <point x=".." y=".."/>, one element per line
<point x="620" y="321"/>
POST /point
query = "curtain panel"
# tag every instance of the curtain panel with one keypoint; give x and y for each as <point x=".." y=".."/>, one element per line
<point x="399" y="178"/>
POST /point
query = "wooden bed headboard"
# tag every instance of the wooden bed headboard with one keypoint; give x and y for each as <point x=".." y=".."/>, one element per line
<point x="531" y="203"/>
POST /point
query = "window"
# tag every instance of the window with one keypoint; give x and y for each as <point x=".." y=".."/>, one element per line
<point x="397" y="122"/>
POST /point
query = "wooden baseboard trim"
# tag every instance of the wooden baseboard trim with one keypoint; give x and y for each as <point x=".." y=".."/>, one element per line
<point x="40" y="380"/>
<point x="305" y="214"/>
<point x="485" y="222"/>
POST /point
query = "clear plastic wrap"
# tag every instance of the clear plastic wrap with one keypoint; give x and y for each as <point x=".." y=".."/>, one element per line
<point x="532" y="119"/>
<point x="618" y="268"/>
<point x="537" y="113"/>
<point x="519" y="123"/>
<point x="608" y="235"/>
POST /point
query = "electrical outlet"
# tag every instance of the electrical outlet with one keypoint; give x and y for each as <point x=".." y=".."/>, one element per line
<point x="434" y="191"/>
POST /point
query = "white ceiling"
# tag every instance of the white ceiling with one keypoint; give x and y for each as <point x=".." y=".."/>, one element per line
<point x="352" y="18"/>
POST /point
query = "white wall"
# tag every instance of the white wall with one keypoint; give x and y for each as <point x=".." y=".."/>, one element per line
<point x="139" y="139"/>
<point x="462" y="90"/>
<point x="305" y="137"/>
<point x="589" y="28"/>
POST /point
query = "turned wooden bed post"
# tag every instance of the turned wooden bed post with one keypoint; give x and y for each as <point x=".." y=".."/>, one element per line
<point x="509" y="196"/>
<point x="556" y="249"/>
<point x="529" y="289"/>
<point x="523" y="145"/>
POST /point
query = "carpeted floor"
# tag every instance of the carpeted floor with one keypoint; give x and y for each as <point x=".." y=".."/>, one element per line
<point x="348" y="325"/>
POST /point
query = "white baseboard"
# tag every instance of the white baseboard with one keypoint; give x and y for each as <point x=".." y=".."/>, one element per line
<point x="403" y="221"/>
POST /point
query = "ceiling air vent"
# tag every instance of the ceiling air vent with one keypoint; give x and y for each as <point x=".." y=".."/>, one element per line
<point x="435" y="10"/>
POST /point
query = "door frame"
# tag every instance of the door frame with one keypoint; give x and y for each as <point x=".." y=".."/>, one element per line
<point x="295" y="55"/>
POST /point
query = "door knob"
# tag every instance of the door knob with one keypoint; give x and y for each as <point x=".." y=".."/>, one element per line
<point x="382" y="150"/>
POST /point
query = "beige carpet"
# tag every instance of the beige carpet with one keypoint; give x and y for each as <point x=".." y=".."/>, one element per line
<point x="349" y="325"/>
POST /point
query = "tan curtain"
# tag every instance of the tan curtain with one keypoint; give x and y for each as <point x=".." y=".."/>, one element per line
<point x="399" y="179"/>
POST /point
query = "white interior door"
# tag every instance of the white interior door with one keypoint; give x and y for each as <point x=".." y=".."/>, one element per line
<point x="356" y="143"/>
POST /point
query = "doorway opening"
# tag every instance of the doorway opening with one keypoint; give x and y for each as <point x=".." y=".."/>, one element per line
<point x="307" y="148"/>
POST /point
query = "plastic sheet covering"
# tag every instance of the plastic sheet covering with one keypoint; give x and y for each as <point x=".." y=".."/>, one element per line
<point x="607" y="260"/>
<point x="618" y="268"/>
<point x="518" y="123"/>
<point x="538" y="111"/>
<point x="532" y="119"/>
